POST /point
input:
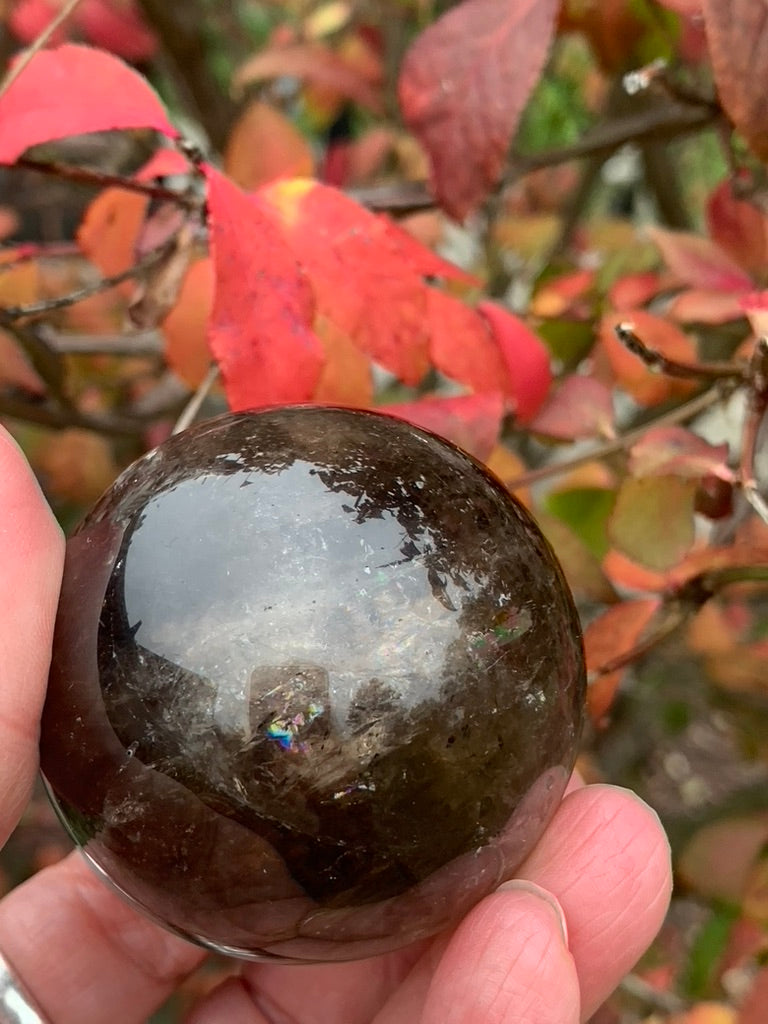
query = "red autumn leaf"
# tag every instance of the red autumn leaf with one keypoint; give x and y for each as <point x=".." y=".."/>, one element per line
<point x="362" y="272"/>
<point x="463" y="86"/>
<point x="462" y="347"/>
<point x="633" y="290"/>
<point x="561" y="295"/>
<point x="73" y="90"/>
<point x="259" y="330"/>
<point x="116" y="26"/>
<point x="699" y="262"/>
<point x="631" y="373"/>
<point x="472" y="422"/>
<point x="738" y="227"/>
<point x="675" y="450"/>
<point x="264" y="145"/>
<point x="526" y="356"/>
<point x="754" y="1009"/>
<point x="737" y="34"/>
<point x="28" y="18"/>
<point x="164" y="163"/>
<point x="612" y="634"/>
<point x="312" y="63"/>
<point x="581" y="407"/>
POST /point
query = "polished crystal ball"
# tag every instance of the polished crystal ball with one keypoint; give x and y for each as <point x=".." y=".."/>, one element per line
<point x="317" y="684"/>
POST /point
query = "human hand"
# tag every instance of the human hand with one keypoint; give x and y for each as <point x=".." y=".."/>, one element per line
<point x="600" y="873"/>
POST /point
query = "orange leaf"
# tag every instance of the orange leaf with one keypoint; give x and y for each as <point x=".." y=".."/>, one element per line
<point x="581" y="407"/>
<point x="265" y="145"/>
<point x="15" y="369"/>
<point x="110" y="229"/>
<point x="77" y="465"/>
<point x="185" y="327"/>
<point x="345" y="379"/>
<point x="613" y="633"/>
<point x="631" y="373"/>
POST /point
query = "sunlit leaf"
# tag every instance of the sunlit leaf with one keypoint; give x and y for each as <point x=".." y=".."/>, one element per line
<point x="462" y="347"/>
<point x="260" y="328"/>
<point x="585" y="510"/>
<point x="345" y="378"/>
<point x="110" y="229"/>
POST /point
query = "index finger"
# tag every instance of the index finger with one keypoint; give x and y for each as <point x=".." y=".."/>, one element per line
<point x="31" y="558"/>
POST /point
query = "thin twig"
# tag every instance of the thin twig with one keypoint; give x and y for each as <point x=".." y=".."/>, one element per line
<point x="679" y="604"/>
<point x="152" y="258"/>
<point x="659" y="363"/>
<point x="192" y="407"/>
<point x="49" y="415"/>
<point x="136" y="343"/>
<point x="680" y="414"/>
<point x="21" y="63"/>
<point x="99" y="179"/>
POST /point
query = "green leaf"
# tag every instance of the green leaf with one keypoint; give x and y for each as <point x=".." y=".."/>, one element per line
<point x="652" y="521"/>
<point x="586" y="511"/>
<point x="706" y="953"/>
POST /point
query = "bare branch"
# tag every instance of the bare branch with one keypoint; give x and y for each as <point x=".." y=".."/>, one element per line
<point x="193" y="406"/>
<point x="659" y="363"/>
<point x="99" y="179"/>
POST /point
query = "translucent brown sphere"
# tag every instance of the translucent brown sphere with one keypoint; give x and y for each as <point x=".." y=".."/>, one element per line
<point x="317" y="684"/>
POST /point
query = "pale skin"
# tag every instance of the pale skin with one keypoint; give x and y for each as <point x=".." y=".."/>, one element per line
<point x="545" y="949"/>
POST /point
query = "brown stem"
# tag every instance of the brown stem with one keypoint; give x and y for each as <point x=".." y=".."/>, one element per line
<point x="659" y="363"/>
<point x="49" y="415"/>
<point x="152" y="258"/>
<point x="23" y="61"/>
<point x="680" y="414"/>
<point x="98" y="179"/>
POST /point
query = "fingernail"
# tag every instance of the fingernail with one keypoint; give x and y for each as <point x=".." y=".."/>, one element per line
<point x="520" y="885"/>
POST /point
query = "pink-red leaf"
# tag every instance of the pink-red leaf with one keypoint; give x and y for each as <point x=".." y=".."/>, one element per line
<point x="463" y="86"/>
<point x="263" y="306"/>
<point x="472" y="422"/>
<point x="739" y="227"/>
<point x="313" y="63"/>
<point x="581" y="407"/>
<point x="116" y="27"/>
<point x="526" y="356"/>
<point x="737" y="34"/>
<point x="699" y="262"/>
<point x="675" y="450"/>
<point x="73" y="90"/>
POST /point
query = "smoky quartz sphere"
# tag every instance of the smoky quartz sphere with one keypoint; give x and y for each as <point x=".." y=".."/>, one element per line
<point x="317" y="684"/>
